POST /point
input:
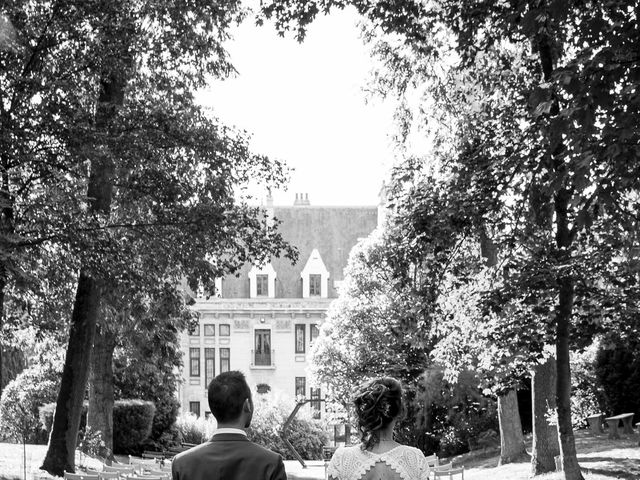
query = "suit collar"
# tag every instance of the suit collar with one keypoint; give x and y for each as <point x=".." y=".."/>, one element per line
<point x="229" y="437"/>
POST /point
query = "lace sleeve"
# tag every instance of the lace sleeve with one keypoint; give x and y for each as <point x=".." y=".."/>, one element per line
<point x="425" y="471"/>
<point x="335" y="465"/>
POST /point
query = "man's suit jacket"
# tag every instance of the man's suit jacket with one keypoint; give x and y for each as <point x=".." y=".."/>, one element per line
<point x="228" y="456"/>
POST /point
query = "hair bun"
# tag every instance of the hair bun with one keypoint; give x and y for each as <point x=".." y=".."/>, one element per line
<point x="378" y="402"/>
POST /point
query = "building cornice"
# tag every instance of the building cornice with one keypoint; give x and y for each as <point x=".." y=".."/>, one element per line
<point x="262" y="304"/>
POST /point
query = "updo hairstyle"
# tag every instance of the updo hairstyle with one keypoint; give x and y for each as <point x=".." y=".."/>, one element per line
<point x="377" y="403"/>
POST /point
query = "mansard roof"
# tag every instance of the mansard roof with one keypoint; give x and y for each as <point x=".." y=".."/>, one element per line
<point x="334" y="231"/>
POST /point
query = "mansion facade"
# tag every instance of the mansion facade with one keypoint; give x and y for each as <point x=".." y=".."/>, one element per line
<point x="265" y="320"/>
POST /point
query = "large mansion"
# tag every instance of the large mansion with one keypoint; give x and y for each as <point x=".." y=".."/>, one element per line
<point x="264" y="321"/>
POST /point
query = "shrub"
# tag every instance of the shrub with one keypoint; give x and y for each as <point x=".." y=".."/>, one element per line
<point x="306" y="434"/>
<point x="194" y="429"/>
<point x="47" y="411"/>
<point x="21" y="400"/>
<point x="132" y="422"/>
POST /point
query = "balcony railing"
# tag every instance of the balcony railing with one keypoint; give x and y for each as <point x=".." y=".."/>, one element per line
<point x="263" y="358"/>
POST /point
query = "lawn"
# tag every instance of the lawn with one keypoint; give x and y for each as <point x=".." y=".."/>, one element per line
<point x="600" y="458"/>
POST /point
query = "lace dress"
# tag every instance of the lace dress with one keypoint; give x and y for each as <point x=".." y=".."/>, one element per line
<point x="399" y="463"/>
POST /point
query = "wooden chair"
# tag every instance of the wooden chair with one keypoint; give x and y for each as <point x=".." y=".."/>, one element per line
<point x="450" y="473"/>
<point x="432" y="460"/>
<point x="79" y="476"/>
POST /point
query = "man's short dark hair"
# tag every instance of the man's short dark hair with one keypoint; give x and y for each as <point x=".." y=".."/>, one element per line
<point x="227" y="393"/>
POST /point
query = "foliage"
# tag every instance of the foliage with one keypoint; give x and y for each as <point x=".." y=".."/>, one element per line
<point x="543" y="98"/>
<point x="586" y="390"/>
<point x="617" y="369"/>
<point x="22" y="399"/>
<point x="193" y="429"/>
<point x="132" y="422"/>
<point x="307" y="435"/>
<point x="148" y="356"/>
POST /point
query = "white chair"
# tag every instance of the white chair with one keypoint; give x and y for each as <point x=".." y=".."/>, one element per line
<point x="432" y="460"/>
<point x="159" y="473"/>
<point x="121" y="469"/>
<point x="443" y="468"/>
<point x="449" y="473"/>
<point x="108" y="475"/>
<point x="79" y="476"/>
<point x="145" y="477"/>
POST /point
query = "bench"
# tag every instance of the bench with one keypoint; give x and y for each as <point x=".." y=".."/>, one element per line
<point x="627" y="426"/>
<point x="595" y="422"/>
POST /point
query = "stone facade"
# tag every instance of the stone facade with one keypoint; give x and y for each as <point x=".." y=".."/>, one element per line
<point x="263" y="321"/>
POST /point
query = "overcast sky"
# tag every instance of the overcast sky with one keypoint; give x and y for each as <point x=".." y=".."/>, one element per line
<point x="304" y="104"/>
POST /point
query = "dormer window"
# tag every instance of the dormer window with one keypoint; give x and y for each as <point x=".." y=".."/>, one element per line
<point x="315" y="280"/>
<point x="262" y="285"/>
<point x="315" y="277"/>
<point x="262" y="281"/>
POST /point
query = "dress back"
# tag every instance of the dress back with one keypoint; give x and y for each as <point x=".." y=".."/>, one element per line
<point x="399" y="463"/>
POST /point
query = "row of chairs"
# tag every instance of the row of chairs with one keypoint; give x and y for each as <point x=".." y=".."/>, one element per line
<point x="136" y="470"/>
<point x="444" y="470"/>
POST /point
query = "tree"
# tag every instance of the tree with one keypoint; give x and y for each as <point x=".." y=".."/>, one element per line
<point x="574" y="175"/>
<point x="105" y="152"/>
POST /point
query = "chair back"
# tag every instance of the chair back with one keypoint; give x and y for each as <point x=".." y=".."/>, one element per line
<point x="432" y="460"/>
<point x="450" y="474"/>
<point x="79" y="476"/>
<point x="145" y="477"/>
<point x="108" y="475"/>
<point x="443" y="468"/>
<point x="159" y="473"/>
<point x="119" y="468"/>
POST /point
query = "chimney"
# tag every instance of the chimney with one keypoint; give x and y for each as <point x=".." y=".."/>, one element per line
<point x="298" y="200"/>
<point x="306" y="199"/>
<point x="269" y="200"/>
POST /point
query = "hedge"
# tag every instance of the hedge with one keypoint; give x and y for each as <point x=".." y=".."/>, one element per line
<point x="132" y="422"/>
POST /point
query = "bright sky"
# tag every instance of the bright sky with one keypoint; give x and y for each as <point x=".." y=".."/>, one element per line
<point x="304" y="104"/>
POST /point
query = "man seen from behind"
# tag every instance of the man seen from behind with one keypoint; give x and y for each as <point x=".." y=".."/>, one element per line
<point x="229" y="455"/>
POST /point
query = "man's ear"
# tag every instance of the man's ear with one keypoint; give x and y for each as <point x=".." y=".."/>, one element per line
<point x="247" y="406"/>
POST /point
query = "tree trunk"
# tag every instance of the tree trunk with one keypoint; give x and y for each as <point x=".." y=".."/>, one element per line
<point x="545" y="436"/>
<point x="546" y="46"/>
<point x="570" y="464"/>
<point x="64" y="432"/>
<point x="511" y="437"/>
<point x="100" y="414"/>
<point x="62" y="442"/>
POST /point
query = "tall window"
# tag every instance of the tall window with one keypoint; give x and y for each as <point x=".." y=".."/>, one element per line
<point x="225" y="330"/>
<point x="195" y="331"/>
<point x="300" y="338"/>
<point x="209" y="365"/>
<point x="315" y="402"/>
<point x="315" y="280"/>
<point x="194" y="362"/>
<point x="301" y="386"/>
<point x="194" y="407"/>
<point x="263" y="347"/>
<point x="262" y="285"/>
<point x="209" y="330"/>
<point x="224" y="360"/>
<point x="314" y="331"/>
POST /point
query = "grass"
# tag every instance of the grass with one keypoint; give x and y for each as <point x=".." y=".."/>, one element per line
<point x="599" y="457"/>
<point x="11" y="462"/>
